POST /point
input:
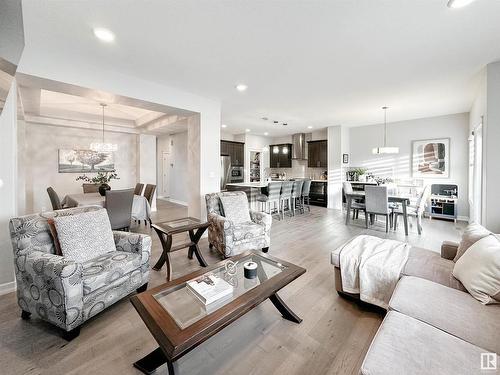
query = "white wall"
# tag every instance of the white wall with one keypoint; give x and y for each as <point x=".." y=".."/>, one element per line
<point x="8" y="187"/>
<point x="41" y="161"/>
<point x="177" y="147"/>
<point x="401" y="134"/>
<point x="491" y="152"/>
<point x="147" y="162"/>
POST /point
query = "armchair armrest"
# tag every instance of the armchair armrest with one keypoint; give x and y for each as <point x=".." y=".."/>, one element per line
<point x="449" y="250"/>
<point x="262" y="218"/>
<point x="50" y="287"/>
<point x="221" y="230"/>
<point x="134" y="243"/>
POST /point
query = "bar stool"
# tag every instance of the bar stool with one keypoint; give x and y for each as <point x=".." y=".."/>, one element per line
<point x="296" y="194"/>
<point x="306" y="187"/>
<point x="286" y="196"/>
<point x="273" y="196"/>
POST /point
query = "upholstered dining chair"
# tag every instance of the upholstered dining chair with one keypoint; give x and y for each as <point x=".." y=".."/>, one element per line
<point x="64" y="292"/>
<point x="356" y="204"/>
<point x="297" y="195"/>
<point x="138" y="188"/>
<point x="149" y="192"/>
<point x="306" y="187"/>
<point x="233" y="227"/>
<point x="417" y="210"/>
<point x="376" y="203"/>
<point x="118" y="203"/>
<point x="90" y="188"/>
<point x="54" y="199"/>
<point x="272" y="197"/>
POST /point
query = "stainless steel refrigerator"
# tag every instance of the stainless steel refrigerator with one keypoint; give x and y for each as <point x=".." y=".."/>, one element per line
<point x="225" y="170"/>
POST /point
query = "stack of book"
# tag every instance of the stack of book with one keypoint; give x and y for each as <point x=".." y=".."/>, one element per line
<point x="210" y="288"/>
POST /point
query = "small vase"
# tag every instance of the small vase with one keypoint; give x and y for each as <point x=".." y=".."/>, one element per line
<point x="103" y="188"/>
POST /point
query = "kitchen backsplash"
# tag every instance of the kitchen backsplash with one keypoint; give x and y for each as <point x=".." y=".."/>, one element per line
<point x="299" y="169"/>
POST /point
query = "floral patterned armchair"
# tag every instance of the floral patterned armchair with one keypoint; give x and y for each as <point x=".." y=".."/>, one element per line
<point x="66" y="293"/>
<point x="230" y="238"/>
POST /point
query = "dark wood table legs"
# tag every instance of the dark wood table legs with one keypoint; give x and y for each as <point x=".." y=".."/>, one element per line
<point x="166" y="243"/>
<point x="285" y="311"/>
<point x="405" y="217"/>
<point x="148" y="364"/>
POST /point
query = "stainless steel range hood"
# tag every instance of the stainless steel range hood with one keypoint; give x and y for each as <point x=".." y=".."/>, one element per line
<point x="299" y="146"/>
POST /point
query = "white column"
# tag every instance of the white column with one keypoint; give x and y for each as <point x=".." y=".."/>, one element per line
<point x="491" y="150"/>
<point x="334" y="167"/>
<point x="147" y="162"/>
<point x="8" y="187"/>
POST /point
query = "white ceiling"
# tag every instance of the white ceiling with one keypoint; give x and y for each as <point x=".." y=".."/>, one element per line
<point x="314" y="62"/>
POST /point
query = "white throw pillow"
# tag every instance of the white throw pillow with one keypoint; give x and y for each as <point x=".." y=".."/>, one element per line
<point x="479" y="269"/>
<point x="236" y="208"/>
<point x="85" y="236"/>
<point x="473" y="233"/>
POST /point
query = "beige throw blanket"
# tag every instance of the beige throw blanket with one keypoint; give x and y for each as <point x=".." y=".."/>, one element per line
<point x="371" y="267"/>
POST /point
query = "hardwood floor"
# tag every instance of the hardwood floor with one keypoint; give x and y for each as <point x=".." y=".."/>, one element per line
<point x="332" y="339"/>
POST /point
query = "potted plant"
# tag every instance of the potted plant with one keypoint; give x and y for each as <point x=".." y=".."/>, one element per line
<point x="359" y="172"/>
<point x="102" y="179"/>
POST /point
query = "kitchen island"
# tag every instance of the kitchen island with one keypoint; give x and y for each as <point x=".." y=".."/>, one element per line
<point x="252" y="190"/>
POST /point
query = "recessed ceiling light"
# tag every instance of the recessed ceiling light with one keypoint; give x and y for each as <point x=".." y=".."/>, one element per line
<point x="285" y="124"/>
<point x="241" y="87"/>
<point x="309" y="127"/>
<point x="459" y="3"/>
<point x="266" y="133"/>
<point x="224" y="125"/>
<point x="247" y="130"/>
<point x="275" y="122"/>
<point x="264" y="118"/>
<point x="104" y="34"/>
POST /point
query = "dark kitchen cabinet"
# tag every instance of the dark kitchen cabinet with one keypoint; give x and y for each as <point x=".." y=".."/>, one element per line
<point x="236" y="150"/>
<point x="281" y="156"/>
<point x="317" y="154"/>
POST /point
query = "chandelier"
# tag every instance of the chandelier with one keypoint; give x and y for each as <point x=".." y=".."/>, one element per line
<point x="385" y="149"/>
<point x="102" y="146"/>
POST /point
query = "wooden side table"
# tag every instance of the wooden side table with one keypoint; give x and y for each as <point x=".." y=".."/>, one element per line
<point x="167" y="229"/>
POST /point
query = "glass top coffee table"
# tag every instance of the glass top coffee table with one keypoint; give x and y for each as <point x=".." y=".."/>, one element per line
<point x="179" y="321"/>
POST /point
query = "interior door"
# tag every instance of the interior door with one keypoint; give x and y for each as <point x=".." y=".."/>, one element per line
<point x="166" y="167"/>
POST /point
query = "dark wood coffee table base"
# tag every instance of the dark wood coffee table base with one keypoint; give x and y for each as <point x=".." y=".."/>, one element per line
<point x="157" y="358"/>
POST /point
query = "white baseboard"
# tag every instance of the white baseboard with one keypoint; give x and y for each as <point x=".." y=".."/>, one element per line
<point x="173" y="201"/>
<point x="7" y="288"/>
<point x="463" y="218"/>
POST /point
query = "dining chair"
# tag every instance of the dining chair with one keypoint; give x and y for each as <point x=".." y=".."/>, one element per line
<point x="417" y="210"/>
<point x="356" y="204"/>
<point x="376" y="203"/>
<point x="306" y="187"/>
<point x="286" y="197"/>
<point x="149" y="192"/>
<point x="54" y="199"/>
<point x="272" y="197"/>
<point x="118" y="203"/>
<point x="296" y="194"/>
<point x="138" y="188"/>
<point x="90" y="188"/>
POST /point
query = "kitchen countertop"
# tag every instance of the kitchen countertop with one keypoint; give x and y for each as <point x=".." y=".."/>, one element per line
<point x="249" y="184"/>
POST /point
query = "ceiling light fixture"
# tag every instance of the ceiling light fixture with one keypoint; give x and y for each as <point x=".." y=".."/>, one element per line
<point x="266" y="133"/>
<point x="455" y="4"/>
<point x="104" y="34"/>
<point x="241" y="87"/>
<point x="247" y="130"/>
<point x="385" y="149"/>
<point x="309" y="127"/>
<point x="224" y="125"/>
<point x="103" y="147"/>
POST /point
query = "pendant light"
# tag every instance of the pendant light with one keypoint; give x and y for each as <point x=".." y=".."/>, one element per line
<point x="385" y="149"/>
<point x="103" y="147"/>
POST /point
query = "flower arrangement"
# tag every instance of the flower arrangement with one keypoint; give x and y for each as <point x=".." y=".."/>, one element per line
<point x="101" y="178"/>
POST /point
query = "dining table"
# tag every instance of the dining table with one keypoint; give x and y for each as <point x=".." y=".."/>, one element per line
<point x="403" y="200"/>
<point x="141" y="209"/>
